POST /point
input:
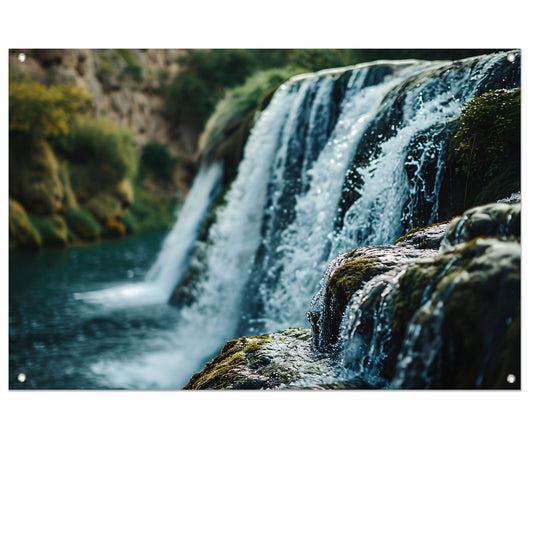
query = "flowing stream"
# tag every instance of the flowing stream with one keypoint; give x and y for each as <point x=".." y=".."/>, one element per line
<point x="283" y="218"/>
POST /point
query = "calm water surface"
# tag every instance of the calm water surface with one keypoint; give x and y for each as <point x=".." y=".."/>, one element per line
<point x="62" y="341"/>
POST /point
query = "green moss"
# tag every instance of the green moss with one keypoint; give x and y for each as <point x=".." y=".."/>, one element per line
<point x="414" y="230"/>
<point x="34" y="179"/>
<point x="484" y="154"/>
<point x="100" y="155"/>
<point x="83" y="223"/>
<point x="22" y="234"/>
<point x="408" y="299"/>
<point x="216" y="373"/>
<point x="348" y="278"/>
<point x="149" y="213"/>
<point x="53" y="229"/>
<point x="252" y="347"/>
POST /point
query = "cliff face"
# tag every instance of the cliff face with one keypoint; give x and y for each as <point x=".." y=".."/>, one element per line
<point x="126" y="88"/>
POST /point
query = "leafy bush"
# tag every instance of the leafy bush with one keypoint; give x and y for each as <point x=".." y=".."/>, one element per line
<point x="100" y="155"/>
<point x="241" y="100"/>
<point x="148" y="212"/>
<point x="53" y="230"/>
<point x="156" y="159"/>
<point x="205" y="75"/>
<point x="82" y="223"/>
<point x="40" y="112"/>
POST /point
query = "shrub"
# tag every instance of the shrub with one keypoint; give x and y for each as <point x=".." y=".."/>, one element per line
<point x="156" y="159"/>
<point x="148" y="212"/>
<point x="100" y="155"/>
<point x="53" y="230"/>
<point x="82" y="223"/>
<point x="239" y="101"/>
<point x="40" y="112"/>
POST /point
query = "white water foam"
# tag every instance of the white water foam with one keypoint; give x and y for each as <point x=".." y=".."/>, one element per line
<point x="204" y="327"/>
<point x="172" y="261"/>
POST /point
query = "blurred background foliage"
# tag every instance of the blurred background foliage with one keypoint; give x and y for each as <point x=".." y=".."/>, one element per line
<point x="91" y="178"/>
<point x="206" y="74"/>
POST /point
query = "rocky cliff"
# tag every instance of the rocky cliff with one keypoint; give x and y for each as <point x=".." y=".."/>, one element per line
<point x="125" y="86"/>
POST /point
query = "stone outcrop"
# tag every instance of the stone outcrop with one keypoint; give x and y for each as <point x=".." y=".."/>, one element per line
<point x="439" y="309"/>
<point x="126" y="88"/>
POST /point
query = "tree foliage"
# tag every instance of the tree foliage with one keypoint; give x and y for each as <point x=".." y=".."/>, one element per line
<point x="102" y="144"/>
<point x="40" y="112"/>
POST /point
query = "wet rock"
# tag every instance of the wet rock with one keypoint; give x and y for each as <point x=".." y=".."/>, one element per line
<point x="275" y="361"/>
<point x="22" y="234"/>
<point x="501" y="219"/>
<point x="438" y="309"/>
<point x="349" y="272"/>
<point x="461" y="335"/>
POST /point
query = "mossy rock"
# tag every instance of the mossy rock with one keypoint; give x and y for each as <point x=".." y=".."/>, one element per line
<point x="124" y="193"/>
<point x="105" y="207"/>
<point x="348" y="278"/>
<point x="459" y="318"/>
<point x="483" y="163"/>
<point x="22" y="234"/>
<point x="53" y="230"/>
<point x="33" y="178"/>
<point x="220" y="369"/>
<point x="114" y="228"/>
<point x="83" y="223"/>
<point x="284" y="359"/>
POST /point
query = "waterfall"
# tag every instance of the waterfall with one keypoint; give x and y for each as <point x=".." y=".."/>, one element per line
<point x="339" y="159"/>
<point x="174" y="257"/>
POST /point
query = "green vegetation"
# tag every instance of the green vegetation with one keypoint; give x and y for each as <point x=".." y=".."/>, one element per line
<point x="85" y="169"/>
<point x="157" y="160"/>
<point x="100" y="155"/>
<point x="348" y="278"/>
<point x="484" y="156"/>
<point x="206" y="74"/>
<point x="52" y="229"/>
<point x="83" y="224"/>
<point x="148" y="212"/>
<point x="120" y="63"/>
<point x="33" y="177"/>
<point x="238" y="105"/>
<point x="22" y="234"/>
<point x="39" y="112"/>
<point x="219" y="370"/>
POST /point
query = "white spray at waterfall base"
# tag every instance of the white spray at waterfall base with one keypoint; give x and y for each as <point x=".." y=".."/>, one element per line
<point x="172" y="261"/>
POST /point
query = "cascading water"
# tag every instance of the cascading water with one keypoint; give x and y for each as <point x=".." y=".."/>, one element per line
<point x="287" y="215"/>
<point x="174" y="257"/>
